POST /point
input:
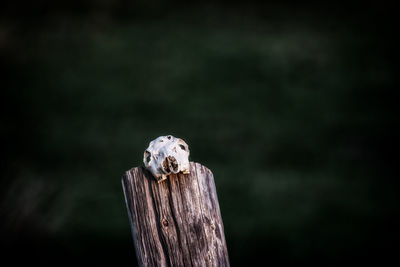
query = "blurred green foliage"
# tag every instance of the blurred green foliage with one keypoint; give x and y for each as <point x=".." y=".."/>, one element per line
<point x="288" y="112"/>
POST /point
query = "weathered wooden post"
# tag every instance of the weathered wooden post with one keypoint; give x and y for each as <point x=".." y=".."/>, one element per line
<point x="175" y="222"/>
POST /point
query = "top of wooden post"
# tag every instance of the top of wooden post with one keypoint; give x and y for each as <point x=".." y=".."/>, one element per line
<point x="176" y="222"/>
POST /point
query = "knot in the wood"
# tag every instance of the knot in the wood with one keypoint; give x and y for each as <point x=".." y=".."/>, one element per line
<point x="212" y="226"/>
<point x="165" y="222"/>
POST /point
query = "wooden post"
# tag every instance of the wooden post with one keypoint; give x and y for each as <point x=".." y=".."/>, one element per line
<point x="176" y="222"/>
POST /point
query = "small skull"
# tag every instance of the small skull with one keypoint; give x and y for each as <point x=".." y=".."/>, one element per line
<point x="166" y="155"/>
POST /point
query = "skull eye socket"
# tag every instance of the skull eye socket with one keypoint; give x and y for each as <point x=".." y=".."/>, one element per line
<point x="182" y="147"/>
<point x="147" y="157"/>
<point x="169" y="137"/>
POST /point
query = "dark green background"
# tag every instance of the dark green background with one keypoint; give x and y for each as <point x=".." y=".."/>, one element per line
<point x="291" y="107"/>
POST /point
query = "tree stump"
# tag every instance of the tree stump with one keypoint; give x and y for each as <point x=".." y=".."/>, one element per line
<point x="176" y="222"/>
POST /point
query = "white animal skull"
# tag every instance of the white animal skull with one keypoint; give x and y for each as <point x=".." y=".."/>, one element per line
<point x="166" y="155"/>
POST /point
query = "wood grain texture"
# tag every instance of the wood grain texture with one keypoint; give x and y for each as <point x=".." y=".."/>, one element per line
<point x="176" y="222"/>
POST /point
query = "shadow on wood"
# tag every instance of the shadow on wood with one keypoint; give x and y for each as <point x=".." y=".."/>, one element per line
<point x="176" y="222"/>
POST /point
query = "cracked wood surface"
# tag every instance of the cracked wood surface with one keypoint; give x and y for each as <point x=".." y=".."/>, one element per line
<point x="176" y="222"/>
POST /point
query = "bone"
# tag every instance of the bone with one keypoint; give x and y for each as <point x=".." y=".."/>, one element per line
<point x="166" y="155"/>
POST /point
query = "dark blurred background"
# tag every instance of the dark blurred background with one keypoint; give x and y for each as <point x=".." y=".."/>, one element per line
<point x="292" y="107"/>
